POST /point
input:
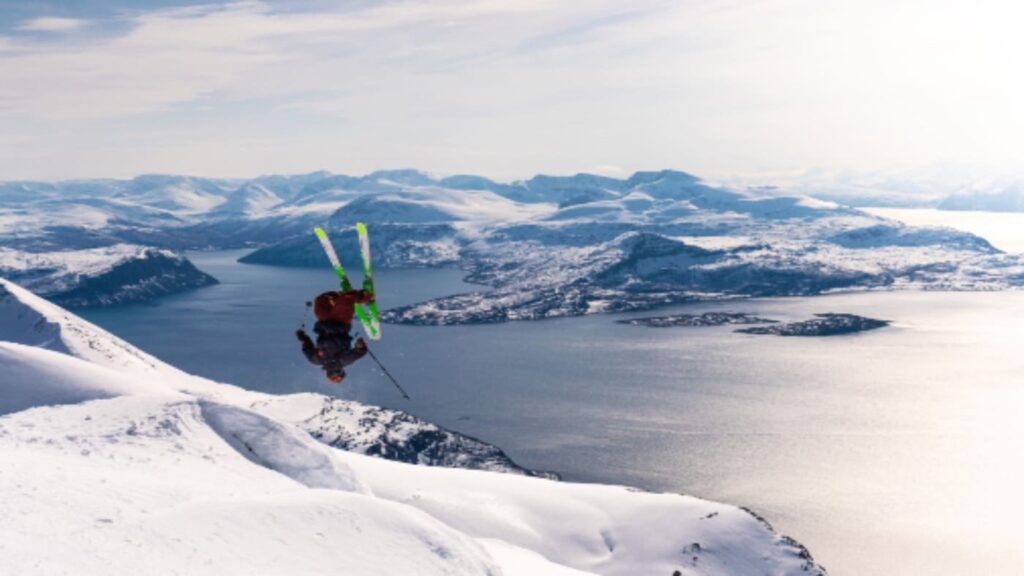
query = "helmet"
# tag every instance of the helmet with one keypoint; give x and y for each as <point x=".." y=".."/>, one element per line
<point x="336" y="377"/>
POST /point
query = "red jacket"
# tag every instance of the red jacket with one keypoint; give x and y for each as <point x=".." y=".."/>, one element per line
<point x="339" y="306"/>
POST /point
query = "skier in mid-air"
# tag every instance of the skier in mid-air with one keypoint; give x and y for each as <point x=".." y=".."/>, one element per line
<point x="333" y="349"/>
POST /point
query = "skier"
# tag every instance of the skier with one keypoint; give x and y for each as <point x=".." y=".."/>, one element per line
<point x="333" y="349"/>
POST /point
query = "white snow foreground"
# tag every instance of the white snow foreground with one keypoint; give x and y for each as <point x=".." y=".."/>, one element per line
<point x="116" y="463"/>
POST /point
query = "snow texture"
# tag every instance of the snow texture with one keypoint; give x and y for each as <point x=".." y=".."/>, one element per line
<point x="115" y="463"/>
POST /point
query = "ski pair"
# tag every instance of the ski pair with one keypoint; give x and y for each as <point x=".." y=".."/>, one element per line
<point x="367" y="313"/>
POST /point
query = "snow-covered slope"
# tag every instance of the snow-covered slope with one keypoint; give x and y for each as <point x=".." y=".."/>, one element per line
<point x="251" y="200"/>
<point x="118" y="274"/>
<point x="30" y="320"/>
<point x="181" y="195"/>
<point x="115" y="463"/>
<point x="38" y="377"/>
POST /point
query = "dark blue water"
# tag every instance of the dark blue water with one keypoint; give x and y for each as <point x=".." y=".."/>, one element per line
<point x="889" y="452"/>
<point x="243" y="330"/>
<point x="491" y="381"/>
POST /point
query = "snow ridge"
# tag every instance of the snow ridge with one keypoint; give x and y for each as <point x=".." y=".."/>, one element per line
<point x="28" y="319"/>
<point x="389" y="434"/>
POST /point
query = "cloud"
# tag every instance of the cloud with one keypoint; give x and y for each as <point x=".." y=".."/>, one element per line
<point x="232" y="52"/>
<point x="51" y="24"/>
<point x="515" y="87"/>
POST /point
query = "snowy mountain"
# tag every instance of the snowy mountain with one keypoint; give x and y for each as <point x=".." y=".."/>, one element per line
<point x="896" y="187"/>
<point x="1007" y="196"/>
<point x="182" y="212"/>
<point x="116" y="463"/>
<point x="394" y="246"/>
<point x="942" y="186"/>
<point x="184" y="195"/>
<point x="119" y="274"/>
<point x="251" y="200"/>
<point x="548" y="246"/>
<point x="667" y="239"/>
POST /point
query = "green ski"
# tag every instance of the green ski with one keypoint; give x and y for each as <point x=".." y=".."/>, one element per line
<point x="361" y="311"/>
<point x="333" y="257"/>
<point x="371" y="308"/>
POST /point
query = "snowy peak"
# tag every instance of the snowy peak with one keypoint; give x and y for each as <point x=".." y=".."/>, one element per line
<point x="421" y="205"/>
<point x="168" y="201"/>
<point x="668" y="195"/>
<point x="406" y="177"/>
<point x="895" y="234"/>
<point x="646" y="245"/>
<point x="568" y="190"/>
<point x="251" y="200"/>
<point x="376" y="209"/>
<point x="32" y="321"/>
<point x="676" y="177"/>
<point x="185" y="195"/>
<point x="1005" y="196"/>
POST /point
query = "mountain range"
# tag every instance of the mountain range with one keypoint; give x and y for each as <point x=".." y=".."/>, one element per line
<point x="546" y="247"/>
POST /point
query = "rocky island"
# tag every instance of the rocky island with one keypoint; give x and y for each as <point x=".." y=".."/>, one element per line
<point x="697" y="320"/>
<point x="829" y="324"/>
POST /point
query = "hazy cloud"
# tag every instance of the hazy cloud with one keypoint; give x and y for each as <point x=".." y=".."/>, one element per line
<point x="51" y="24"/>
<point x="512" y="87"/>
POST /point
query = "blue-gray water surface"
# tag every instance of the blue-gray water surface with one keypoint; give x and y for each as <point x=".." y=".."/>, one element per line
<point x="896" y="451"/>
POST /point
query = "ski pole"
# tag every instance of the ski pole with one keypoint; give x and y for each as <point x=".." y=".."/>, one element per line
<point x="388" y="374"/>
<point x="305" y="314"/>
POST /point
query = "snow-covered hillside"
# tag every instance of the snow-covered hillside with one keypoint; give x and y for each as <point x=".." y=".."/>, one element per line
<point x="116" y="463"/>
<point x="671" y="239"/>
<point x="118" y="274"/>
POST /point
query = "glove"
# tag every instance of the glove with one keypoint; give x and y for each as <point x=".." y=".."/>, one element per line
<point x="301" y="335"/>
<point x="360" y="344"/>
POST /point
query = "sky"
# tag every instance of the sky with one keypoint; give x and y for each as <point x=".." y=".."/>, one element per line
<point x="507" y="88"/>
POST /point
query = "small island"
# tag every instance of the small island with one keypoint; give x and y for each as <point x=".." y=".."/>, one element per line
<point x="697" y="320"/>
<point x="829" y="324"/>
